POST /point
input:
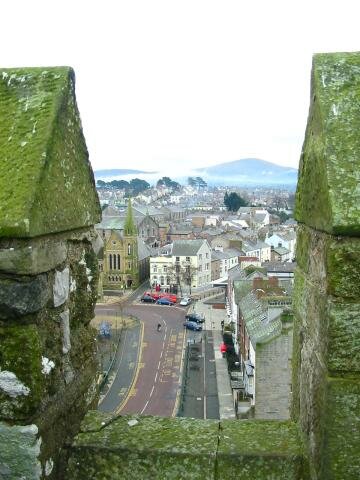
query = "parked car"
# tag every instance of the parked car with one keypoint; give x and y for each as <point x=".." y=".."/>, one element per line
<point x="171" y="296"/>
<point x="195" y="317"/>
<point x="164" y="301"/>
<point x="185" y="301"/>
<point x="147" y="299"/>
<point x="193" y="326"/>
<point x="154" y="295"/>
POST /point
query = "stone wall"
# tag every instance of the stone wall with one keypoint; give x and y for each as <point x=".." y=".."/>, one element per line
<point x="48" y="272"/>
<point x="326" y="399"/>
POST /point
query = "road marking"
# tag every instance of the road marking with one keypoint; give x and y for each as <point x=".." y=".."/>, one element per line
<point x="123" y="403"/>
<point x="178" y="393"/>
<point x="146" y="404"/>
<point x="161" y="354"/>
<point x="152" y="390"/>
<point x="156" y="377"/>
<point x="158" y="365"/>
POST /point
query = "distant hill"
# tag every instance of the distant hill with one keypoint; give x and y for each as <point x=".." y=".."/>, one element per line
<point x="247" y="171"/>
<point x="117" y="172"/>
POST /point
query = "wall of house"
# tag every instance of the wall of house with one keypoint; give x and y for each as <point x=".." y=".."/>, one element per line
<point x="273" y="377"/>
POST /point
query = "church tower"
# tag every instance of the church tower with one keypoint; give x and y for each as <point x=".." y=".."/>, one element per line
<point x="130" y="250"/>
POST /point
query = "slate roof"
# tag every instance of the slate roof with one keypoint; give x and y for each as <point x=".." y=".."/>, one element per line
<point x="143" y="250"/>
<point x="281" y="250"/>
<point x="286" y="267"/>
<point x="111" y="223"/>
<point x="182" y="248"/>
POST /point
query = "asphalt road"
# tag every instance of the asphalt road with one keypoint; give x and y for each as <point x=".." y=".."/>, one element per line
<point x="146" y="373"/>
<point x="157" y="380"/>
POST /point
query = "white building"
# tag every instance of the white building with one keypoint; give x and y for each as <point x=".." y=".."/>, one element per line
<point x="283" y="239"/>
<point x="184" y="262"/>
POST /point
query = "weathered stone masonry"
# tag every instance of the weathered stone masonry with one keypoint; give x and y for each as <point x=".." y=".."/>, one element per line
<point x="326" y="385"/>
<point x="48" y="279"/>
<point x="48" y="271"/>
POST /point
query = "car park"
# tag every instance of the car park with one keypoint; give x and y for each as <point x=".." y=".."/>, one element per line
<point x="195" y="317"/>
<point x="164" y="301"/>
<point x="185" y="301"/>
<point x="193" y="326"/>
<point x="147" y="299"/>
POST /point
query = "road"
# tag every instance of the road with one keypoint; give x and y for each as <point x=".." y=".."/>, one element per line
<point x="157" y="380"/>
<point x="146" y="375"/>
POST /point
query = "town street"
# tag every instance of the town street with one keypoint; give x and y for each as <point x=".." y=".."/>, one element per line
<point x="146" y="378"/>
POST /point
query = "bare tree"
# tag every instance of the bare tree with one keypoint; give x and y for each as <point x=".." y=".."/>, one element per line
<point x="182" y="275"/>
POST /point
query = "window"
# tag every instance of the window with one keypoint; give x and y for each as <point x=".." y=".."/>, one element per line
<point x="177" y="259"/>
<point x="200" y="256"/>
<point x="110" y="261"/>
<point x="207" y="255"/>
<point x="165" y="268"/>
<point x="155" y="268"/>
<point x="129" y="265"/>
<point x="188" y="259"/>
<point x="118" y="265"/>
<point x="200" y="268"/>
<point x="161" y="280"/>
<point x="129" y="248"/>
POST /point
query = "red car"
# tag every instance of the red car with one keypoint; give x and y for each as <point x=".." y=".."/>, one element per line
<point x="156" y="295"/>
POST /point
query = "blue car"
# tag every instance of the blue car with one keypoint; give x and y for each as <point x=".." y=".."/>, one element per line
<point x="193" y="326"/>
<point x="164" y="301"/>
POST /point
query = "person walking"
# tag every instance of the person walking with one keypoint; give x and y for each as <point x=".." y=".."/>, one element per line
<point x="158" y="327"/>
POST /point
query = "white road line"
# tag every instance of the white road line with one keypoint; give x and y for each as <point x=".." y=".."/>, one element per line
<point x="161" y="354"/>
<point x="159" y="365"/>
<point x="152" y="390"/>
<point x="156" y="377"/>
<point x="146" y="404"/>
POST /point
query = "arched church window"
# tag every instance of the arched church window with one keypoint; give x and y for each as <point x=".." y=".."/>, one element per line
<point x="118" y="259"/>
<point x="129" y="248"/>
<point x="110" y="261"/>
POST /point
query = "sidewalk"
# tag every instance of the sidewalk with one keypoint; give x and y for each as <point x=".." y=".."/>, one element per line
<point x="213" y="318"/>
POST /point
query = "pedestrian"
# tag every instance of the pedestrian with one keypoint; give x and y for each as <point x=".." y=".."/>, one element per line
<point x="222" y="324"/>
<point x="158" y="327"/>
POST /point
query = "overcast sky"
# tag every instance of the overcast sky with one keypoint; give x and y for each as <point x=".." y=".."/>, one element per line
<point x="183" y="84"/>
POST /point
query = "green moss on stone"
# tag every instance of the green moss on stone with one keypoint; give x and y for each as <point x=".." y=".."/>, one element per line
<point x="253" y="450"/>
<point x="328" y="194"/>
<point x="344" y="338"/>
<point x="46" y="183"/>
<point x="152" y="447"/>
<point x="20" y="353"/>
<point x="341" y="457"/>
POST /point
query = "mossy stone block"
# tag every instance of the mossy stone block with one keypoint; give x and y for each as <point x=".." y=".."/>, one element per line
<point x="331" y="262"/>
<point x="262" y="450"/>
<point x="19" y="452"/>
<point x="20" y="354"/>
<point x="328" y="194"/>
<point x="144" y="447"/>
<point x="343" y="267"/>
<point x="341" y="458"/>
<point x="344" y="338"/>
<point x="46" y="182"/>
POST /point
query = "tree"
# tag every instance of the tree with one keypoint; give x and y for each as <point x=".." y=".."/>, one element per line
<point x="101" y="183"/>
<point x="197" y="182"/>
<point x="182" y="274"/>
<point x="167" y="182"/>
<point x="233" y="201"/>
<point x="137" y="186"/>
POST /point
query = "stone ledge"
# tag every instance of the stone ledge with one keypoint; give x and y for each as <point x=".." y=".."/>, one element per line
<point x="172" y="448"/>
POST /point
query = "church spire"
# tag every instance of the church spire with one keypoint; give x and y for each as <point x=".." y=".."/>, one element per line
<point x="129" y="226"/>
